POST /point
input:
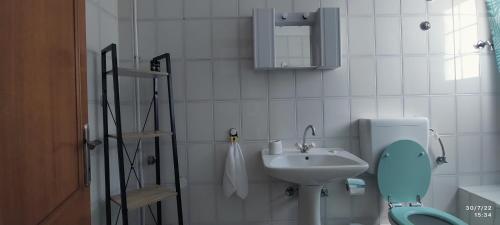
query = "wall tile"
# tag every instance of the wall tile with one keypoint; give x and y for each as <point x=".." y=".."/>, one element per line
<point x="337" y="117"/>
<point x="387" y="6"/>
<point x="491" y="155"/>
<point x="469" y="180"/>
<point x="336" y="82"/>
<point x="415" y="75"/>
<point x="199" y="121"/>
<point x="388" y="35"/>
<point x="466" y="29"/>
<point x="94" y="87"/>
<point x="225" y="8"/>
<point x="490" y="179"/>
<point x="282" y="207"/>
<point x="416" y="106"/>
<point x="145" y="9"/>
<point x="361" y="36"/>
<point x="344" y="40"/>
<point x="253" y="161"/>
<point x="254" y="120"/>
<point x="226" y="79"/>
<point x="441" y="36"/>
<point x="125" y="48"/>
<point x="202" y="203"/>
<point x="257" y="204"/>
<point x="443" y="115"/>
<point x="221" y="150"/>
<point x="225" y="38"/>
<point x="468" y="114"/>
<point x="441" y="7"/>
<point x="92" y="26"/>
<point x="478" y="6"/>
<point x="246" y="38"/>
<point x="360" y="209"/>
<point x="390" y="107"/>
<point x="445" y="192"/>
<point x="229" y="209"/>
<point x="341" y="4"/>
<point x="196" y="8"/>
<point x="198" y="39"/>
<point x="280" y="5"/>
<point x="469" y="154"/>
<point x="147" y="39"/>
<point x="226" y="116"/>
<point x="363" y="76"/>
<point x="201" y="161"/>
<point x="360" y="7"/>
<point x="110" y="6"/>
<point x="467" y="74"/>
<point x="414" y="39"/>
<point x="253" y="83"/>
<point x="338" y="204"/>
<point x="199" y="80"/>
<point x="309" y="84"/>
<point x="282" y="119"/>
<point x="180" y="121"/>
<point x="490" y="106"/>
<point x="310" y="112"/>
<point x="450" y="144"/>
<point x="282" y="84"/>
<point x="171" y="38"/>
<point x="413" y="7"/>
<point x="246" y="7"/>
<point x="442" y="74"/>
<point x="483" y="28"/>
<point x="306" y="5"/>
<point x="124" y="9"/>
<point x="362" y="108"/>
<point x="389" y="76"/>
<point x="169" y="9"/>
<point x="490" y="81"/>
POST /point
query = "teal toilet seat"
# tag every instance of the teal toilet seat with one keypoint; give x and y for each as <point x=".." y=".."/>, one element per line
<point x="404" y="172"/>
<point x="404" y="175"/>
<point x="422" y="215"/>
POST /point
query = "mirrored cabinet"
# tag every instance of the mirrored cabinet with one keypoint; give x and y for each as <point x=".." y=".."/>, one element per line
<point x="309" y="40"/>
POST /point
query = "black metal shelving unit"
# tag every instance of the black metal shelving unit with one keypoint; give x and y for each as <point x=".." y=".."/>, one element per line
<point x="144" y="196"/>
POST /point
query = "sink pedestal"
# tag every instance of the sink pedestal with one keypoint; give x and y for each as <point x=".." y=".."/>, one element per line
<point x="309" y="205"/>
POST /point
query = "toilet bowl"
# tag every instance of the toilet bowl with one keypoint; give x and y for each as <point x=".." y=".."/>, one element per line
<point x="421" y="216"/>
<point x="404" y="174"/>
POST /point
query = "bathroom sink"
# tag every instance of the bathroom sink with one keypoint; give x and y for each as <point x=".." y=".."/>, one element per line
<point x="316" y="167"/>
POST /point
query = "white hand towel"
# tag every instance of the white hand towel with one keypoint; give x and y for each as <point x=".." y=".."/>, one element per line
<point x="235" y="174"/>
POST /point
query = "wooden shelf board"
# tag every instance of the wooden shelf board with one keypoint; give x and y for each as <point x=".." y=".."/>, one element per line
<point x="146" y="134"/>
<point x="129" y="72"/>
<point x="144" y="196"/>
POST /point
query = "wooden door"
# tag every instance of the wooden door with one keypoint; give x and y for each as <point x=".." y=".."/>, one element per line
<point x="42" y="112"/>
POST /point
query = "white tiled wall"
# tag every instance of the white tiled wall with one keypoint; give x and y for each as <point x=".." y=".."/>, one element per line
<point x="390" y="68"/>
<point x="102" y="30"/>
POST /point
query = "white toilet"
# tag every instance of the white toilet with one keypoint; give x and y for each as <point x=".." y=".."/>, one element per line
<point x="396" y="150"/>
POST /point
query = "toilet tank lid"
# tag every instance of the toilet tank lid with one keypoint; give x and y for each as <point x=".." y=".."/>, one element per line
<point x="386" y="122"/>
<point x="404" y="172"/>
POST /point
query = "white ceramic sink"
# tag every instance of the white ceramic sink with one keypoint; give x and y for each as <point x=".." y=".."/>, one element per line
<point x="316" y="167"/>
<point x="311" y="171"/>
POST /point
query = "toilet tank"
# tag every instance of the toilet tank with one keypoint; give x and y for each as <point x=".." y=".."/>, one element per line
<point x="376" y="134"/>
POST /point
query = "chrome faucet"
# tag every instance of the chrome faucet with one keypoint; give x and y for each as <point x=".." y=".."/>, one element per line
<point x="305" y="147"/>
